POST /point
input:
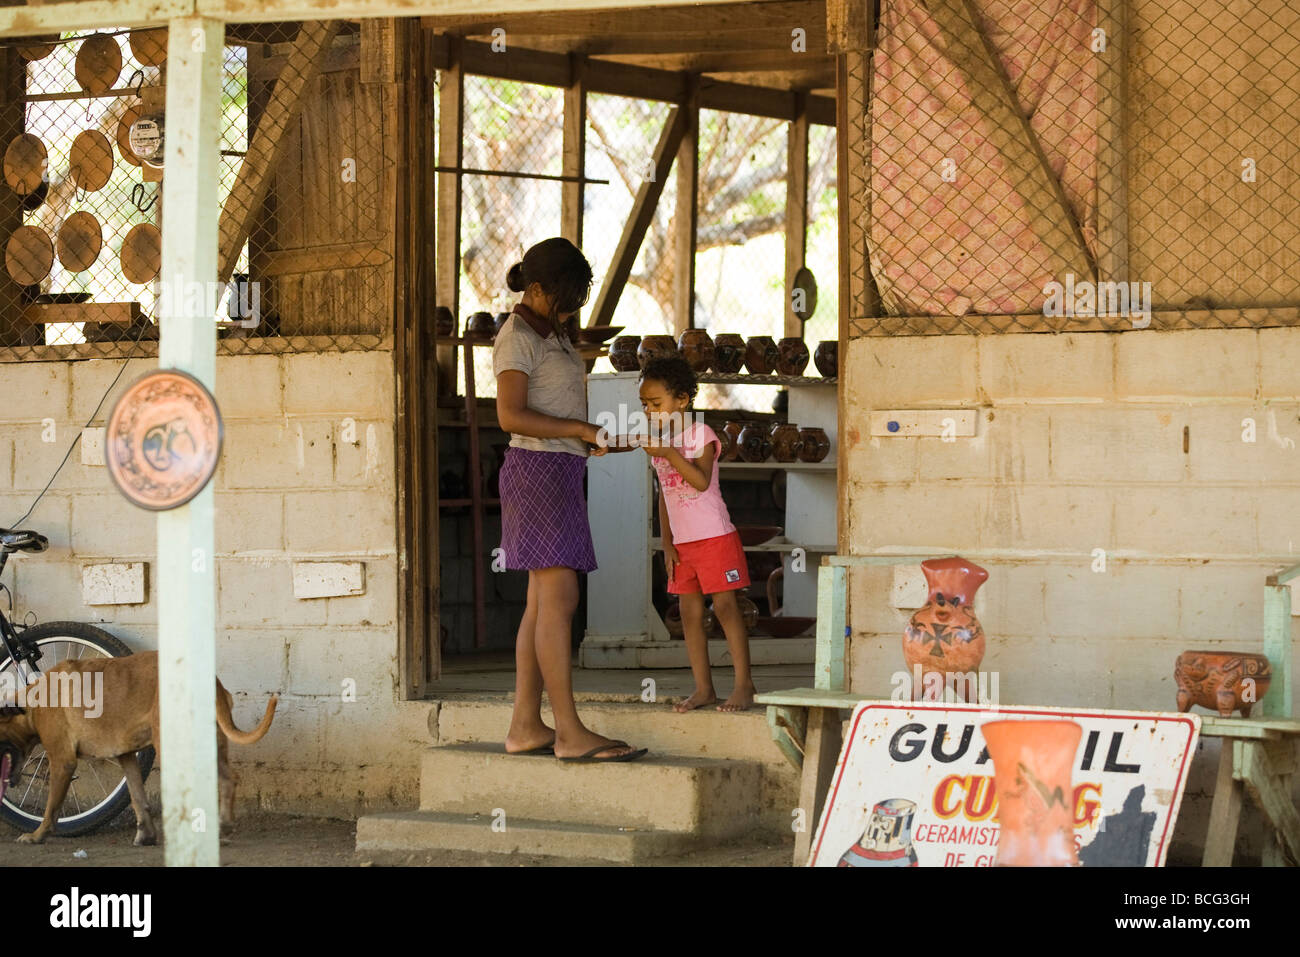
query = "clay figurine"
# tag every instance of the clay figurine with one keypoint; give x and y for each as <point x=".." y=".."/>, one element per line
<point x="1223" y="681"/>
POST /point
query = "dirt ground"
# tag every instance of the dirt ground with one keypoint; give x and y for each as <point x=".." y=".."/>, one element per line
<point x="277" y="840"/>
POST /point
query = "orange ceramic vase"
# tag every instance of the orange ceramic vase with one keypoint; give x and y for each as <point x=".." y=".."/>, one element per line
<point x="944" y="636"/>
<point x="1032" y="761"/>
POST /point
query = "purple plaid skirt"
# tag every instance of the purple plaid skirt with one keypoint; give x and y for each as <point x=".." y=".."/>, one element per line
<point x="544" y="511"/>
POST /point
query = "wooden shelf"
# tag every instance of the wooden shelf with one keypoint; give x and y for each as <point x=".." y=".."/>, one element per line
<point x="775" y="545"/>
<point x="741" y="378"/>
<point x="772" y="465"/>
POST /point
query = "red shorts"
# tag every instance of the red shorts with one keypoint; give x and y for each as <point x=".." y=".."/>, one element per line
<point x="710" y="565"/>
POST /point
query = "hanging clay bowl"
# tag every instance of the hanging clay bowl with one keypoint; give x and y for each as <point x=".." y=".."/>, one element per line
<point x="29" y="254"/>
<point x="886" y="841"/>
<point x="731" y="452"/>
<point x="655" y="347"/>
<point x="1032" y="761"/>
<point x="99" y="63"/>
<point x="24" y="163"/>
<point x="786" y="444"/>
<point x="622" y="353"/>
<point x="129" y="117"/>
<point x="803" y="294"/>
<point x="945" y="636"/>
<point x="1223" y="681"/>
<point x="696" y="347"/>
<point x="39" y="48"/>
<point x="149" y="47"/>
<point x="79" y="241"/>
<point x="755" y="443"/>
<point x="90" y="160"/>
<point x="792" y="356"/>
<point x="816" y="444"/>
<point x="761" y="355"/>
<point x="142" y="253"/>
<point x="728" y="353"/>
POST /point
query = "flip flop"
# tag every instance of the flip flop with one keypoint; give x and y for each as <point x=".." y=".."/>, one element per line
<point x="589" y="757"/>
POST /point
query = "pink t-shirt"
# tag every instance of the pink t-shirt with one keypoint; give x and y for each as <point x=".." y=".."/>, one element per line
<point x="692" y="514"/>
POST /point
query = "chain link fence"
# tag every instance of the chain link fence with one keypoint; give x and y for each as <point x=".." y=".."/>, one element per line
<point x="307" y="152"/>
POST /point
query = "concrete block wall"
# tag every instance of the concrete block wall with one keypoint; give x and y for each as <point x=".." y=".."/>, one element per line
<point x="307" y="474"/>
<point x="1129" y="443"/>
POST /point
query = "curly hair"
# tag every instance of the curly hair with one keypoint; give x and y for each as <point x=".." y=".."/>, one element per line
<point x="674" y="372"/>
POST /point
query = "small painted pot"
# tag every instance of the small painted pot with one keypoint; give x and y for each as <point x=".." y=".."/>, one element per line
<point x="1223" y="681"/>
<point x="786" y="443"/>
<point x="696" y="347"/>
<point x="444" y="323"/>
<point x="728" y="353"/>
<point x="480" y="325"/>
<point x="728" y="450"/>
<point x="654" y="347"/>
<point x="792" y="356"/>
<point x="731" y="452"/>
<point x="755" y="443"/>
<point x="761" y="355"/>
<point x="622" y="353"/>
<point x="816" y="444"/>
<point x="827" y="358"/>
<point x="748" y="611"/>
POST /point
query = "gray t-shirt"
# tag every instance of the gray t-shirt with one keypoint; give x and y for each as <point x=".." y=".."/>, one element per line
<point x="557" y="380"/>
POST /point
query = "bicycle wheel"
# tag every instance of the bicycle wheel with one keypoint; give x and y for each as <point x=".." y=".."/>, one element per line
<point x="98" y="792"/>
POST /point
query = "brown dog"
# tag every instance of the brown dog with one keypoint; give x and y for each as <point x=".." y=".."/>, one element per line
<point x="127" y="721"/>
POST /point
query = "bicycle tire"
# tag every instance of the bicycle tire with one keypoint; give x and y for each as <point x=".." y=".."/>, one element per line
<point x="119" y="799"/>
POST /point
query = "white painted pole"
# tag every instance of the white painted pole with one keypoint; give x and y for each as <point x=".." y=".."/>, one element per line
<point x="188" y="341"/>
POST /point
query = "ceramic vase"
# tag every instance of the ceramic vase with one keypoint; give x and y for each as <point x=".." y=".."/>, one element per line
<point x="1223" y="681"/>
<point x="827" y="358"/>
<point x="654" y="347"/>
<point x="761" y="355"/>
<point x="727" y="451"/>
<point x="728" y="353"/>
<point x="1032" y="761"/>
<point x="696" y="347"/>
<point x="786" y="443"/>
<point x="792" y="356"/>
<point x="480" y="326"/>
<point x="622" y="353"/>
<point x="944" y="636"/>
<point x="816" y="444"/>
<point x="887" y="839"/>
<point x="733" y="428"/>
<point x="755" y="444"/>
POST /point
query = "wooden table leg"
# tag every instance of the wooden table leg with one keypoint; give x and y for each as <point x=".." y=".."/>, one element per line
<point x="821" y="750"/>
<point x="1225" y="812"/>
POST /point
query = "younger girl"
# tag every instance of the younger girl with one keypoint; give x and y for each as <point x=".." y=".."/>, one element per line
<point x="702" y="549"/>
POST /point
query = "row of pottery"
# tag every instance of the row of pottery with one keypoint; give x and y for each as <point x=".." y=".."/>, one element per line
<point x="760" y="355"/>
<point x="784" y="442"/>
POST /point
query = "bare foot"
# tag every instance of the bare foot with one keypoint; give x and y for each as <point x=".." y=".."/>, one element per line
<point x="698" y="700"/>
<point x="579" y="746"/>
<point x="529" y="740"/>
<point x="742" y="699"/>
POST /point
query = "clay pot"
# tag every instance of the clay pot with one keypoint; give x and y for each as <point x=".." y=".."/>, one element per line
<point x="827" y="358"/>
<point x="761" y="355"/>
<point x="673" y="621"/>
<point x="1223" y="681"/>
<point x="816" y="444"/>
<point x="1032" y="761"/>
<point x="499" y="321"/>
<point x="748" y="611"/>
<point x="945" y="636"/>
<point x="887" y="839"/>
<point x="786" y="444"/>
<point x="755" y="443"/>
<point x="622" y="353"/>
<point x="731" y="452"/>
<point x="728" y="450"/>
<point x="654" y="347"/>
<point x="792" y="356"/>
<point x="444" y="323"/>
<point x="480" y="326"/>
<point x="728" y="353"/>
<point x="696" y="347"/>
<point x="773" y="605"/>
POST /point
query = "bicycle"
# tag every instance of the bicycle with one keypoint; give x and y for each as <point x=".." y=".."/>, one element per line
<point x="24" y="650"/>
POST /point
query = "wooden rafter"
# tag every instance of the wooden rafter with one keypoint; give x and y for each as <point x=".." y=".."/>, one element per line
<point x="715" y="18"/>
<point x="768" y="40"/>
<point x="686" y="219"/>
<point x="796" y="209"/>
<point x="575" y="155"/>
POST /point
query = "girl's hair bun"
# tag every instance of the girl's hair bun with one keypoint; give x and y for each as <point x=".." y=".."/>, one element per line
<point x="515" y="278"/>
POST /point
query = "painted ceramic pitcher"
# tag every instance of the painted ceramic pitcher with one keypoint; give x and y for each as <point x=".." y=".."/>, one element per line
<point x="945" y="637"/>
<point x="1032" y="761"/>
<point x="887" y="840"/>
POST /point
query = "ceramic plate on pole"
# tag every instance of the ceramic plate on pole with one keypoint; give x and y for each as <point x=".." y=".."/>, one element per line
<point x="805" y="281"/>
<point x="90" y="161"/>
<point x="39" y="50"/>
<point x="149" y="46"/>
<point x="79" y="241"/>
<point x="142" y="253"/>
<point x="163" y="439"/>
<point x="99" y="63"/>
<point x="29" y="254"/>
<point x="25" y="160"/>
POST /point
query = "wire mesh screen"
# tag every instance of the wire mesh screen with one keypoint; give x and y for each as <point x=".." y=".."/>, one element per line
<point x="305" y="218"/>
<point x="1075" y="164"/>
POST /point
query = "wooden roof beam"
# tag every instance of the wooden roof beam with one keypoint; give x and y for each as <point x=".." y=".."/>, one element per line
<point x="772" y="40"/>
<point x="714" y="18"/>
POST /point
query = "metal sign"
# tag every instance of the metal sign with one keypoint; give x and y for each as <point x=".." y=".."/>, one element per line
<point x="163" y="439"/>
<point x="914" y="786"/>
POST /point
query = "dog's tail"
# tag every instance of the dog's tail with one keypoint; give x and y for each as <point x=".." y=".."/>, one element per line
<point x="226" y="721"/>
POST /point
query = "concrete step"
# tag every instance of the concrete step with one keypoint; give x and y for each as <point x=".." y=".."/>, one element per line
<point x="703" y="797"/>
<point x="438" y="831"/>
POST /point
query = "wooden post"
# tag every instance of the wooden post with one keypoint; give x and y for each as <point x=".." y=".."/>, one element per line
<point x="575" y="152"/>
<point x="686" y="218"/>
<point x="796" y="207"/>
<point x="1279" y="650"/>
<point x="821" y="750"/>
<point x="1112" y="175"/>
<point x="1225" y="811"/>
<point x="186" y="564"/>
<point x="832" y="587"/>
<point x="451" y="113"/>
